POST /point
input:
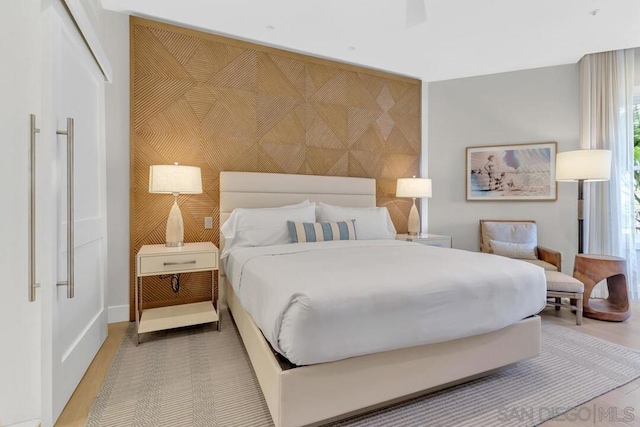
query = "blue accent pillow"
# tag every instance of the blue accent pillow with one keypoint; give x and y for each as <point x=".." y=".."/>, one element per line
<point x="301" y="232"/>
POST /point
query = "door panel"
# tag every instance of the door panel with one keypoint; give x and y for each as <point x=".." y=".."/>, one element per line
<point x="80" y="323"/>
<point x="20" y="320"/>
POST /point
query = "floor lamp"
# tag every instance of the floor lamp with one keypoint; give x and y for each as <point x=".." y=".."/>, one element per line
<point x="581" y="166"/>
<point x="414" y="188"/>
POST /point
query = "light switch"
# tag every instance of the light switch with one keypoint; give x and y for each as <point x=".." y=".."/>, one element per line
<point x="208" y="222"/>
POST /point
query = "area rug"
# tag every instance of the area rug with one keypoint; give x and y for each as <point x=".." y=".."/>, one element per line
<point x="200" y="377"/>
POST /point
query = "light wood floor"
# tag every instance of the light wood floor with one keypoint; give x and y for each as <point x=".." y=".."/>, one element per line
<point x="77" y="410"/>
<point x="627" y="334"/>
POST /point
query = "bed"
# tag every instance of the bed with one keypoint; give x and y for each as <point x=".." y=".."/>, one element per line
<point x="319" y="392"/>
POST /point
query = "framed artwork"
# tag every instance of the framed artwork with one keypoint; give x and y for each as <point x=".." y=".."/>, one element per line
<point x="512" y="172"/>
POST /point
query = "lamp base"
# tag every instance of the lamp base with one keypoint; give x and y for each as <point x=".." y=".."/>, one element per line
<point x="174" y="244"/>
<point x="414" y="220"/>
<point x="174" y="236"/>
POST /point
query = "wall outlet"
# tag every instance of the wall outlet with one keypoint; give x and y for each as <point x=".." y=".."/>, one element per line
<point x="208" y="222"/>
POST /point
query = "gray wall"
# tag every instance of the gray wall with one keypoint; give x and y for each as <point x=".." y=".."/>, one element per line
<point x="113" y="31"/>
<point x="538" y="105"/>
<point x="117" y="111"/>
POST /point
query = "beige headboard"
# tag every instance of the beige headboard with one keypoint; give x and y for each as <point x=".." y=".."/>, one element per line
<point x="265" y="190"/>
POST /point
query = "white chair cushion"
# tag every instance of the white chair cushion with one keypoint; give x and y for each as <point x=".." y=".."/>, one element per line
<point x="514" y="250"/>
<point x="544" y="264"/>
<point x="560" y="282"/>
<point x="512" y="232"/>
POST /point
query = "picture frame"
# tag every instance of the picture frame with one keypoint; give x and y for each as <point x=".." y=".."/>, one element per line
<point x="525" y="172"/>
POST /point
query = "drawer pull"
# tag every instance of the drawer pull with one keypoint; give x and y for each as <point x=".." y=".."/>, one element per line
<point x="167" y="264"/>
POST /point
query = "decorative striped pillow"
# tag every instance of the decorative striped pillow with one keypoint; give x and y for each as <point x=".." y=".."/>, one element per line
<point x="301" y="232"/>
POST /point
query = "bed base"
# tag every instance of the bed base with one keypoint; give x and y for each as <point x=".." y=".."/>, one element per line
<point x="314" y="394"/>
<point x="310" y="395"/>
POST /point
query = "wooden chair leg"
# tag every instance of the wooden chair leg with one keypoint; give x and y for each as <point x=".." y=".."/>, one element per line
<point x="558" y="302"/>
<point x="579" y="311"/>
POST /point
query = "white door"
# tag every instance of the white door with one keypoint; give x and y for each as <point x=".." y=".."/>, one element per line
<point x="79" y="315"/>
<point x="19" y="318"/>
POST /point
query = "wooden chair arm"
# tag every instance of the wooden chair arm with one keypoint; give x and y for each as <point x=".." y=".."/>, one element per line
<point x="485" y="248"/>
<point x="550" y="256"/>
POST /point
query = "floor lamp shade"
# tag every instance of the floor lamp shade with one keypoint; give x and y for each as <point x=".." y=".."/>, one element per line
<point x="414" y="188"/>
<point x="585" y="165"/>
<point x="175" y="179"/>
<point x="581" y="166"/>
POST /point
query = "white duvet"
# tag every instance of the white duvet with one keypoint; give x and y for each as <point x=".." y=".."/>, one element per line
<point x="320" y="302"/>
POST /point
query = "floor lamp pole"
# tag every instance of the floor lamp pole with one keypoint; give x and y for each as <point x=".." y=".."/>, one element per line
<point x="580" y="216"/>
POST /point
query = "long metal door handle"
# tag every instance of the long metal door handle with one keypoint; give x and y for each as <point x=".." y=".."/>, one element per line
<point x="70" y="225"/>
<point x="32" y="208"/>
<point x="166" y="264"/>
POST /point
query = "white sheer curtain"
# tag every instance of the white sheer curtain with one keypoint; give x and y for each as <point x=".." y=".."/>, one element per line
<point x="607" y="123"/>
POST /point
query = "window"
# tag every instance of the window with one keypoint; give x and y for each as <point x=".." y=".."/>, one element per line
<point x="636" y="156"/>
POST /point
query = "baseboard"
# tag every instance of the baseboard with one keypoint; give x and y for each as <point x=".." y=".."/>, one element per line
<point x="118" y="313"/>
<point x="31" y="423"/>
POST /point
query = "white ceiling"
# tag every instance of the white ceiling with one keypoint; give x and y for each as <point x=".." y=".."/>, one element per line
<point x="460" y="38"/>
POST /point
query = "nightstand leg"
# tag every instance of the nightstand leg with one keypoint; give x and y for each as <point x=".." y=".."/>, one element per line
<point x="138" y="280"/>
<point x="213" y="293"/>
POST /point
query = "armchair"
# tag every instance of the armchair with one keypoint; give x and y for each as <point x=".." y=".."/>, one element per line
<point x="523" y="232"/>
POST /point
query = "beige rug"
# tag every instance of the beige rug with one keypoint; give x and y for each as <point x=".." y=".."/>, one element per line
<point x="199" y="377"/>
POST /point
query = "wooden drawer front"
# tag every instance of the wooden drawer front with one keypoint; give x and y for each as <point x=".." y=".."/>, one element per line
<point x="441" y="243"/>
<point x="177" y="262"/>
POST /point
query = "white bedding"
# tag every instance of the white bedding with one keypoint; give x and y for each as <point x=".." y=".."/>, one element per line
<point x="320" y="302"/>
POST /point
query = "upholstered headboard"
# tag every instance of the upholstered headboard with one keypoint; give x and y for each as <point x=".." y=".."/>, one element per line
<point x="265" y="190"/>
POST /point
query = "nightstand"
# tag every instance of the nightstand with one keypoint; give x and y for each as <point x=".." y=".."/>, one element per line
<point x="155" y="260"/>
<point x="427" y="239"/>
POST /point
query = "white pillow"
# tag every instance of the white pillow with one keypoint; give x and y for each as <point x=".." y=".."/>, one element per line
<point x="298" y="205"/>
<point x="514" y="250"/>
<point x="371" y="223"/>
<point x="263" y="226"/>
<point x="229" y="228"/>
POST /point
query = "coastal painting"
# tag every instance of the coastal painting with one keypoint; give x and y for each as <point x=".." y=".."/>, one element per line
<point x="512" y="172"/>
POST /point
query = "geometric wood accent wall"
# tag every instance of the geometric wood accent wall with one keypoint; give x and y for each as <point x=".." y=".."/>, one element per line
<point x="227" y="105"/>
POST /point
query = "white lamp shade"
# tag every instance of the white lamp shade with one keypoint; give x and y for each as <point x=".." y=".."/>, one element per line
<point x="587" y="165"/>
<point x="413" y="187"/>
<point x="168" y="179"/>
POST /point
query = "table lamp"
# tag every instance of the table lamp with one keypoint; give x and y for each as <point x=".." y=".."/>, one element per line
<point x="175" y="179"/>
<point x="414" y="188"/>
<point x="581" y="166"/>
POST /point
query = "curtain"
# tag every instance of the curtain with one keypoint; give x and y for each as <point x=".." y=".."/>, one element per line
<point x="607" y="123"/>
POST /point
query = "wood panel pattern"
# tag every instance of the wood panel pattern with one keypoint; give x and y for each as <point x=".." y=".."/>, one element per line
<point x="226" y="105"/>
